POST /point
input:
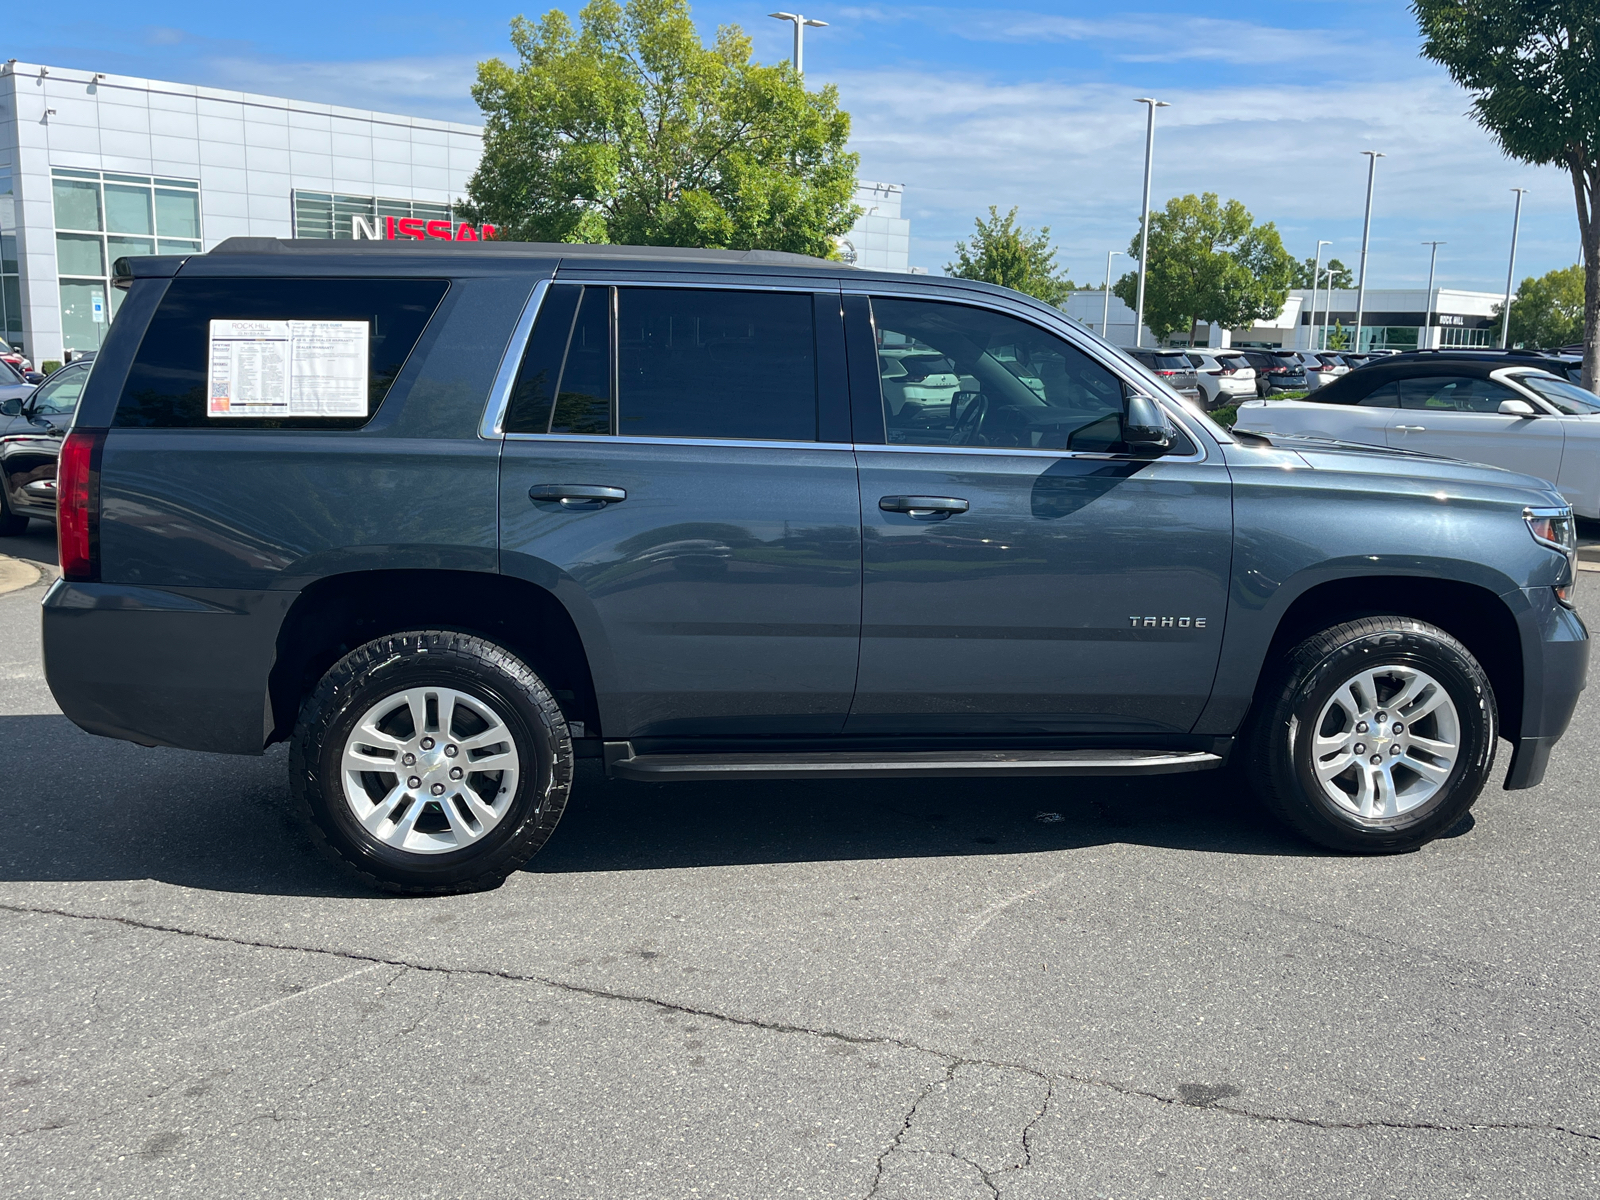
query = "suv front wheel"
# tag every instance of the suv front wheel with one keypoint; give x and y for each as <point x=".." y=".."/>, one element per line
<point x="431" y="762"/>
<point x="1377" y="737"/>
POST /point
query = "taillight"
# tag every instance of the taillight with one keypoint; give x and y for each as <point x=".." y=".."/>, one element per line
<point x="78" y="504"/>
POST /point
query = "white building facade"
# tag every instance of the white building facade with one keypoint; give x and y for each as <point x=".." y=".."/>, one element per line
<point x="94" y="167"/>
<point x="1392" y="319"/>
<point x="880" y="240"/>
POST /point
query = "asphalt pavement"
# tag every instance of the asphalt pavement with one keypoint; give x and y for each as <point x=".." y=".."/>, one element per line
<point x="908" y="990"/>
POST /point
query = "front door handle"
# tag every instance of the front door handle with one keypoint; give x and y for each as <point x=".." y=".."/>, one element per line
<point x="1412" y="428"/>
<point x="577" y="495"/>
<point x="924" y="508"/>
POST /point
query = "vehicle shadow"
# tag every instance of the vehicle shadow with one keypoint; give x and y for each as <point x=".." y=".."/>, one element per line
<point x="83" y="808"/>
<point x="35" y="544"/>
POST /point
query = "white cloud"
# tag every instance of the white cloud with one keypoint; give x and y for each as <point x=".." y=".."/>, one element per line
<point x="416" y="86"/>
<point x="1072" y="157"/>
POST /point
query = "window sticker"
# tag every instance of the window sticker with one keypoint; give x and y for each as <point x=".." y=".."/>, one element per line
<point x="288" y="369"/>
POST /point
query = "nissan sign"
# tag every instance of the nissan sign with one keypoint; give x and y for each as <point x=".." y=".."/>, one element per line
<point x="395" y="228"/>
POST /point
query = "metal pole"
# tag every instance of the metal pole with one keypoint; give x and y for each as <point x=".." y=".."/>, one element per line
<point x="1105" y="317"/>
<point x="1511" y="270"/>
<point x="1316" y="274"/>
<point x="1366" y="236"/>
<point x="1144" y="215"/>
<point x="1427" y="323"/>
<point x="800" y="23"/>
<point x="1327" y="276"/>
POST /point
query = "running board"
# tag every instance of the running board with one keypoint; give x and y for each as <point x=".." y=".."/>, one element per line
<point x="623" y="763"/>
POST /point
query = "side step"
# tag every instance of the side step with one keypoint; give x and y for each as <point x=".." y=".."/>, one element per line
<point x="623" y="763"/>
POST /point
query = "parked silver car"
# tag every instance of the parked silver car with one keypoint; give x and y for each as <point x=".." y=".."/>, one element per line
<point x="1222" y="378"/>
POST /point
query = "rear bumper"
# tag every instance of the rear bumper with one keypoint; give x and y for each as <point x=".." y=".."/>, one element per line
<point x="185" y="668"/>
<point x="1555" y="667"/>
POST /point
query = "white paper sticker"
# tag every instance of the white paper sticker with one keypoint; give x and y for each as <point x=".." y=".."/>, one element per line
<point x="288" y="369"/>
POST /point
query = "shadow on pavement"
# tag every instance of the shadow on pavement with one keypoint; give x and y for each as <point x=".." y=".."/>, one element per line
<point x="78" y="807"/>
<point x="35" y="544"/>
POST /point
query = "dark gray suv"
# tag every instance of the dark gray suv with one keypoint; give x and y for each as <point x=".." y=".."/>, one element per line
<point x="447" y="518"/>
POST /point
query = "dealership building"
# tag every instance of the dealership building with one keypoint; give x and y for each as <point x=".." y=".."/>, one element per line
<point x="94" y="167"/>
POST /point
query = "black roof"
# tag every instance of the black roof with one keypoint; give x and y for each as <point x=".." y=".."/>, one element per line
<point x="261" y="245"/>
<point x="1358" y="384"/>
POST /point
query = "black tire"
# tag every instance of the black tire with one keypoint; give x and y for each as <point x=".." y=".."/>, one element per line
<point x="489" y="675"/>
<point x="1278" y="747"/>
<point x="11" y="524"/>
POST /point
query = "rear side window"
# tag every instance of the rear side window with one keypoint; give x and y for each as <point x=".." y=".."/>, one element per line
<point x="167" y="384"/>
<point x="670" y="362"/>
<point x="1387" y="396"/>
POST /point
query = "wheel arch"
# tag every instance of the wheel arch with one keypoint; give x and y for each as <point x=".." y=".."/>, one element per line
<point x="336" y="614"/>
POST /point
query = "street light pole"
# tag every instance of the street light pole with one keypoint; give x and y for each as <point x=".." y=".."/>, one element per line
<point x="1366" y="236"/>
<point x="1105" y="317"/>
<point x="1144" y="216"/>
<point x="1511" y="270"/>
<point x="1433" y="260"/>
<point x="800" y="23"/>
<point x="1316" y="275"/>
<point x="1327" y="277"/>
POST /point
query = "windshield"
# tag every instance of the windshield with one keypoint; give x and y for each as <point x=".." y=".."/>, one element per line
<point x="9" y="374"/>
<point x="1568" y="398"/>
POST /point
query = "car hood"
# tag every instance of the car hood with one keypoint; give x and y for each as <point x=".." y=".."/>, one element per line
<point x="1327" y="454"/>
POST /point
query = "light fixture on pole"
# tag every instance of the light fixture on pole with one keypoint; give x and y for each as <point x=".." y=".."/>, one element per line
<point x="1316" y="274"/>
<point x="1105" y="317"/>
<point x="800" y="23"/>
<point x="1366" y="236"/>
<point x="1427" y="323"/>
<point x="1511" y="270"/>
<point x="1144" y="215"/>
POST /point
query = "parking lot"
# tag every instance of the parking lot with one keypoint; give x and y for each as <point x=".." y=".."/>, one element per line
<point x="944" y="989"/>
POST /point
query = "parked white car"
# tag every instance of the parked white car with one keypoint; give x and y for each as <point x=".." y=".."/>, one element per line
<point x="1520" y="418"/>
<point x="1222" y="378"/>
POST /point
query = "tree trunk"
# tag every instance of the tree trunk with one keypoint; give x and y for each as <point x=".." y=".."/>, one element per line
<point x="1586" y="188"/>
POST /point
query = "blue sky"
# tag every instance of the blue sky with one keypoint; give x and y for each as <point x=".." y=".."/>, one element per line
<point x="976" y="104"/>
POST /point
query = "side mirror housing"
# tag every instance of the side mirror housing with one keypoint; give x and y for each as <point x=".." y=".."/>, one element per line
<point x="11" y="407"/>
<point x="1517" y="408"/>
<point x="1144" y="426"/>
<point x="33" y="377"/>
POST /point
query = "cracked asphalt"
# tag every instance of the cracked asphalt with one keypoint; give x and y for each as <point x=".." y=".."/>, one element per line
<point x="905" y="990"/>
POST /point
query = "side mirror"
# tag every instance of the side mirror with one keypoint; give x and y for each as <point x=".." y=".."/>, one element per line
<point x="1517" y="408"/>
<point x="33" y="377"/>
<point x="1144" y="426"/>
<point x="11" y="407"/>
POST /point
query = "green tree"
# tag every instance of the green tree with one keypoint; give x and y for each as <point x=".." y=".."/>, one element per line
<point x="1343" y="277"/>
<point x="1209" y="262"/>
<point x="1547" y="312"/>
<point x="1004" y="253"/>
<point x="1338" y="337"/>
<point x="1530" y="67"/>
<point x="630" y="130"/>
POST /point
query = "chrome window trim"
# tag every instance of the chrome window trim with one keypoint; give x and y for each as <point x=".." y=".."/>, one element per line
<point x="607" y="439"/>
<point x="621" y="281"/>
<point x="492" y="426"/>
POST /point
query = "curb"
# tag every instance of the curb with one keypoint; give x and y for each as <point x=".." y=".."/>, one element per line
<point x="16" y="574"/>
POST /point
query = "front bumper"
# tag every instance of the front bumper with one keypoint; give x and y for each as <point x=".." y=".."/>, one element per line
<point x="1555" y="668"/>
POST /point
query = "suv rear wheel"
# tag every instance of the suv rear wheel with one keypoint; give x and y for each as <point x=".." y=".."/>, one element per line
<point x="1378" y="736"/>
<point x="431" y="762"/>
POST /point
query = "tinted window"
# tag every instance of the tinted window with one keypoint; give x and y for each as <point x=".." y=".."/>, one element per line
<point x="1454" y="394"/>
<point x="540" y="370"/>
<point x="166" y="385"/>
<point x="716" y="364"/>
<point x="1008" y="383"/>
<point x="58" y="395"/>
<point x="1387" y="396"/>
<point x="1567" y="397"/>
<point x="583" y="397"/>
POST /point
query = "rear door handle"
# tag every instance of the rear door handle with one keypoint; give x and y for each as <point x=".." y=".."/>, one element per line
<point x="1413" y="428"/>
<point x="924" y="508"/>
<point x="576" y="495"/>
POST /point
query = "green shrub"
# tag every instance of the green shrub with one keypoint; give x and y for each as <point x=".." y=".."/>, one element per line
<point x="50" y="366"/>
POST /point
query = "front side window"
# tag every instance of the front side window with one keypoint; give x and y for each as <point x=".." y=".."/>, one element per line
<point x="1568" y="398"/>
<point x="1446" y="393"/>
<point x="953" y="375"/>
<point x="58" y="395"/>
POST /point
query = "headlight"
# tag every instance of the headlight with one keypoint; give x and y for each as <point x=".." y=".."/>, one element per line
<point x="1555" y="528"/>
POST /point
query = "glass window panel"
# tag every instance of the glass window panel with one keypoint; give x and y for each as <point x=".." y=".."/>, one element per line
<point x="537" y="374"/>
<point x="394" y="208"/>
<point x="5" y="181"/>
<point x="1567" y="397"/>
<point x="13" y="291"/>
<point x="583" y="401"/>
<point x="346" y="209"/>
<point x="128" y="209"/>
<point x="8" y="254"/>
<point x="77" y="204"/>
<point x="1387" y="396"/>
<point x="58" y="396"/>
<point x="79" y="329"/>
<point x="116" y="296"/>
<point x="177" y="213"/>
<point x="79" y="254"/>
<point x="127" y="247"/>
<point x="178" y="183"/>
<point x="954" y="375"/>
<point x="430" y="212"/>
<point x="66" y="172"/>
<point x="169" y="246"/>
<point x="313" y="215"/>
<point x="109" y="178"/>
<point x="716" y="364"/>
<point x="1453" y="393"/>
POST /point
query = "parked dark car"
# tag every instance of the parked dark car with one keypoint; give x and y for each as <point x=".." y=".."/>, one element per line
<point x="31" y="430"/>
<point x="1277" y="371"/>
<point x="446" y="518"/>
<point x="1568" y="366"/>
<point x="1174" y="367"/>
<point x="13" y="384"/>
